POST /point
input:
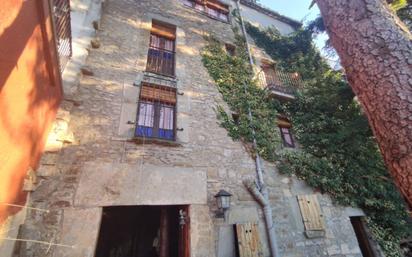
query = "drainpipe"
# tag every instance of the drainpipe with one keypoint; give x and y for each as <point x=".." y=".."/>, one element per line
<point x="259" y="191"/>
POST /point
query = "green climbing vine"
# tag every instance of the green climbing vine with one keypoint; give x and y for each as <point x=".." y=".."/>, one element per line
<point x="338" y="154"/>
<point x="231" y="74"/>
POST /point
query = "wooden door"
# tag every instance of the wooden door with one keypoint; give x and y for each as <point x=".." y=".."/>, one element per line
<point x="248" y="240"/>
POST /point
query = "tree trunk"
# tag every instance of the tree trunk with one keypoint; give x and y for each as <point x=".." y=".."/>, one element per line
<point x="375" y="50"/>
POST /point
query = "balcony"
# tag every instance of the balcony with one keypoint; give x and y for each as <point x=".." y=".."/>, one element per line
<point x="279" y="84"/>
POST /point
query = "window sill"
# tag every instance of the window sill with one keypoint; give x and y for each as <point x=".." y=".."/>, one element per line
<point x="169" y="76"/>
<point x="156" y="141"/>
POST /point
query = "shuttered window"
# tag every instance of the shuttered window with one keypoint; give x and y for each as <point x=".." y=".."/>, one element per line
<point x="311" y="215"/>
<point x="161" y="55"/>
<point x="212" y="8"/>
<point x="248" y="242"/>
<point x="285" y="132"/>
<point x="156" y="112"/>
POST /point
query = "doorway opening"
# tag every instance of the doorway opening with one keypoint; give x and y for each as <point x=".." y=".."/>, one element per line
<point x="362" y="236"/>
<point x="144" y="231"/>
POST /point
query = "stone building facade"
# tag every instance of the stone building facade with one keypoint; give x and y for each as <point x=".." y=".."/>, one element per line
<point x="104" y="165"/>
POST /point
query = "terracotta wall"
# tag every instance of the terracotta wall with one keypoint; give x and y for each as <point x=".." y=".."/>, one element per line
<point x="30" y="92"/>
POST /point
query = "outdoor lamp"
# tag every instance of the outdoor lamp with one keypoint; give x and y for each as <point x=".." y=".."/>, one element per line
<point x="223" y="202"/>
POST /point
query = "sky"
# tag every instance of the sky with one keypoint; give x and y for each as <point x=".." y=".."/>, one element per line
<point x="299" y="10"/>
<point x="296" y="9"/>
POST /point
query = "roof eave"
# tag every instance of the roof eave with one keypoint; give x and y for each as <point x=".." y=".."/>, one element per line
<point x="294" y="23"/>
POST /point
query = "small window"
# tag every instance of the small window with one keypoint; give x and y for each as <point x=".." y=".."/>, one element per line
<point x="156" y="112"/>
<point x="312" y="216"/>
<point x="230" y="49"/>
<point x="235" y="118"/>
<point x="285" y="132"/>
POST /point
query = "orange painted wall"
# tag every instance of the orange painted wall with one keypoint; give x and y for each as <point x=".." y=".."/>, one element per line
<point x="30" y="92"/>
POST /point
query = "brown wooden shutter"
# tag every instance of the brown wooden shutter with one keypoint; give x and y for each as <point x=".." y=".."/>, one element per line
<point x="163" y="29"/>
<point x="217" y="5"/>
<point x="158" y="94"/>
<point x="284" y="123"/>
<point x="311" y="215"/>
<point x="248" y="240"/>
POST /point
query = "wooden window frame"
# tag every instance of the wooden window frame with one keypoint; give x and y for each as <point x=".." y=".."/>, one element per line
<point x="283" y="135"/>
<point x="284" y="123"/>
<point x="210" y="4"/>
<point x="141" y="131"/>
<point x="157" y="56"/>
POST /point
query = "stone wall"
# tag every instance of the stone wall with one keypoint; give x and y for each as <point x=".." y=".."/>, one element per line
<point x="102" y="166"/>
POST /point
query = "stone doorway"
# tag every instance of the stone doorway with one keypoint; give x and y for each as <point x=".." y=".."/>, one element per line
<point x="144" y="231"/>
<point x="362" y="235"/>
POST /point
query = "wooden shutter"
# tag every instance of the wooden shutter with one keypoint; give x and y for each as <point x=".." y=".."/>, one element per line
<point x="218" y="6"/>
<point x="163" y="29"/>
<point x="158" y="94"/>
<point x="311" y="215"/>
<point x="248" y="240"/>
<point x="284" y="123"/>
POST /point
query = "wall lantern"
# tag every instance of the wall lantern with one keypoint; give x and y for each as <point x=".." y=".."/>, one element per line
<point x="223" y="202"/>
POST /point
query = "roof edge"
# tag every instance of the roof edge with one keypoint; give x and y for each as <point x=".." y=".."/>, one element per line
<point x="258" y="7"/>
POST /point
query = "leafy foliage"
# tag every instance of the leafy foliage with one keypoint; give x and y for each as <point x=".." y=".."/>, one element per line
<point x="338" y="152"/>
<point x="231" y="74"/>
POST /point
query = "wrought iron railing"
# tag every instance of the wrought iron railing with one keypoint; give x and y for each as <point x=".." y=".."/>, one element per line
<point x="161" y="61"/>
<point x="62" y="25"/>
<point x="279" y="81"/>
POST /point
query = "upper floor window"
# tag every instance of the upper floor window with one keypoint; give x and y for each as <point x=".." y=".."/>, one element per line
<point x="62" y="20"/>
<point x="212" y="8"/>
<point x="161" y="55"/>
<point x="230" y="49"/>
<point x="156" y="112"/>
<point x="285" y="132"/>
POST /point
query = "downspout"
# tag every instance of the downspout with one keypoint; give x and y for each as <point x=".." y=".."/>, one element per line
<point x="260" y="191"/>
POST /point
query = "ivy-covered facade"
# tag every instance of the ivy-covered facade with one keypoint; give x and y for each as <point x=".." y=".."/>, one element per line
<point x="158" y="137"/>
<point x="337" y="153"/>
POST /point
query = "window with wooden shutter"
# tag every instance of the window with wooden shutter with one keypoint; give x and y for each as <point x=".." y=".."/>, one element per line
<point x="247" y="236"/>
<point x="285" y="132"/>
<point x="161" y="55"/>
<point x="311" y="215"/>
<point x="212" y="8"/>
<point x="156" y="114"/>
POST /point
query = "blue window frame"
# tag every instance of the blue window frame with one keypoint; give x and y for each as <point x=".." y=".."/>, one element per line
<point x="156" y="113"/>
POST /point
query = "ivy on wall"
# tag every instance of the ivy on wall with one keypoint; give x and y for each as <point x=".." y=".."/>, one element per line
<point x="338" y="153"/>
<point x="231" y="74"/>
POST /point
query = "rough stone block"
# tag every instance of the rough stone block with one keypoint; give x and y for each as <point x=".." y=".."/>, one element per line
<point x="80" y="231"/>
<point x="127" y="120"/>
<point x="226" y="242"/>
<point x="47" y="171"/>
<point x="104" y="184"/>
<point x="242" y="214"/>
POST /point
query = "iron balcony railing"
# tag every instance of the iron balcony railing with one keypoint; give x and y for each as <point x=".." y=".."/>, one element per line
<point x="62" y="25"/>
<point x="278" y="81"/>
<point x="161" y="61"/>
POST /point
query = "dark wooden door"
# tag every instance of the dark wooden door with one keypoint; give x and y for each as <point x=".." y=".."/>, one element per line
<point x="362" y="236"/>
